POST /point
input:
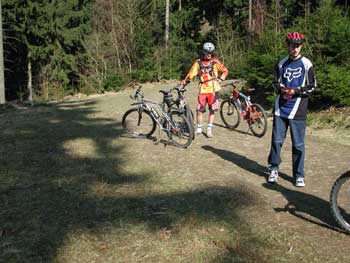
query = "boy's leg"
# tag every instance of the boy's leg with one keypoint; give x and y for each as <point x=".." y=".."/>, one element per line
<point x="297" y="131"/>
<point x="279" y="129"/>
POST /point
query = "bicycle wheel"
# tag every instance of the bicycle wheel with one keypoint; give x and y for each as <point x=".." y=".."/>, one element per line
<point x="340" y="201"/>
<point x="138" y="124"/>
<point x="229" y="114"/>
<point x="258" y="120"/>
<point x="190" y="117"/>
<point x="183" y="134"/>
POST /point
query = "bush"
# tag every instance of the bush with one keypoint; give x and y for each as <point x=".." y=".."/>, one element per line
<point x="113" y="83"/>
<point x="334" y="85"/>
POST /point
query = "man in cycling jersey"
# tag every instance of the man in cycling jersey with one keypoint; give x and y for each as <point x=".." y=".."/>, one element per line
<point x="207" y="67"/>
<point x="294" y="81"/>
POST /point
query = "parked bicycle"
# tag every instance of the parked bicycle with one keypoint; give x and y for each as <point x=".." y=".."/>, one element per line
<point x="238" y="106"/>
<point x="340" y="201"/>
<point x="142" y="119"/>
<point x="180" y="104"/>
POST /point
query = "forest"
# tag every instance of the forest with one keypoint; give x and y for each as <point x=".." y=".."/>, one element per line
<point x="55" y="48"/>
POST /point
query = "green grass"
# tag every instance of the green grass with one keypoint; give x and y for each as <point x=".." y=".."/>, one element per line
<point x="331" y="118"/>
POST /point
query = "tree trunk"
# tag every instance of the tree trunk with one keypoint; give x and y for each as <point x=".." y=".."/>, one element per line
<point x="2" y="78"/>
<point x="250" y="23"/>
<point x="30" y="82"/>
<point x="115" y="38"/>
<point x="167" y="23"/>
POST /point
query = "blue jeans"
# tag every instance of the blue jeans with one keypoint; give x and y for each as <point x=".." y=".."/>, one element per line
<point x="297" y="132"/>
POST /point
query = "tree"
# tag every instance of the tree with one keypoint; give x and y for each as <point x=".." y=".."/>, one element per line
<point x="2" y="79"/>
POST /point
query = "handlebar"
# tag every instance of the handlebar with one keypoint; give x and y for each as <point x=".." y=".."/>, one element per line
<point x="137" y="93"/>
<point x="232" y="84"/>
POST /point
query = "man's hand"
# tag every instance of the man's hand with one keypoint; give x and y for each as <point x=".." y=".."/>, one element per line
<point x="184" y="82"/>
<point x="287" y="93"/>
<point x="219" y="80"/>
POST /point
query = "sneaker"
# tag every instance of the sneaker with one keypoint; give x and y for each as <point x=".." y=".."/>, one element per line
<point x="300" y="182"/>
<point x="209" y="133"/>
<point x="273" y="177"/>
<point x="199" y="131"/>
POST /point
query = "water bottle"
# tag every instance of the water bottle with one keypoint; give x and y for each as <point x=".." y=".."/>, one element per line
<point x="154" y="113"/>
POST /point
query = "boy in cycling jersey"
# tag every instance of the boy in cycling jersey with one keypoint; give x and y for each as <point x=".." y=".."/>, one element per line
<point x="294" y="81"/>
<point x="207" y="67"/>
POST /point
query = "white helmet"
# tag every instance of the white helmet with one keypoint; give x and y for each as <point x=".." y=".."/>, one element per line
<point x="208" y="47"/>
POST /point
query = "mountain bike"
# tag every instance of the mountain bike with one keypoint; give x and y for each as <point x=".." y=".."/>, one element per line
<point x="340" y="201"/>
<point x="180" y="104"/>
<point x="142" y="119"/>
<point x="238" y="106"/>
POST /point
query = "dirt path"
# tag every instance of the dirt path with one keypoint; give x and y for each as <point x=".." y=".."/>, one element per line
<point x="237" y="157"/>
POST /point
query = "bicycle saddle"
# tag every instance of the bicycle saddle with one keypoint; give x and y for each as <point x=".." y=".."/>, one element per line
<point x="165" y="92"/>
<point x="249" y="89"/>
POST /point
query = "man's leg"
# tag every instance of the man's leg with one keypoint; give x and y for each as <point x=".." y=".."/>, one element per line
<point x="213" y="101"/>
<point x="279" y="130"/>
<point x="210" y="123"/>
<point x="199" y="122"/>
<point x="297" y="131"/>
<point x="200" y="110"/>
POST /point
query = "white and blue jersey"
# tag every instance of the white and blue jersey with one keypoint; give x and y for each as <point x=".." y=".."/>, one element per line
<point x="299" y="75"/>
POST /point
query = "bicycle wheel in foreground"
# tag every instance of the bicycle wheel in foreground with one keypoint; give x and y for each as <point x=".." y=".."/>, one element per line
<point x="258" y="120"/>
<point x="229" y="114"/>
<point x="138" y="124"/>
<point x="183" y="135"/>
<point x="340" y="201"/>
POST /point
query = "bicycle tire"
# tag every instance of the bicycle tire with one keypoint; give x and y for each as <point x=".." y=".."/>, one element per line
<point x="138" y="124"/>
<point x="189" y="115"/>
<point x="258" y="120"/>
<point x="183" y="137"/>
<point x="229" y="114"/>
<point x="339" y="195"/>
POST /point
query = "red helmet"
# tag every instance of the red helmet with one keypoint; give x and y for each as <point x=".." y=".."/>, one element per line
<point x="295" y="38"/>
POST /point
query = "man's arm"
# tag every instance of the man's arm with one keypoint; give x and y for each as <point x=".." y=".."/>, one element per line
<point x="221" y="68"/>
<point x="191" y="74"/>
<point x="276" y="83"/>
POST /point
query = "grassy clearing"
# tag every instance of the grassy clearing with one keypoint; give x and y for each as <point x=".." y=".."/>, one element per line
<point x="73" y="188"/>
<point x="332" y="118"/>
<point x="71" y="192"/>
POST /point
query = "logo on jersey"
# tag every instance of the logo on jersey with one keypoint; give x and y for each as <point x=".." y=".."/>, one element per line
<point x="291" y="73"/>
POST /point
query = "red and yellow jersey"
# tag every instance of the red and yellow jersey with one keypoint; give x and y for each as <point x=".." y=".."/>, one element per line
<point x="208" y="71"/>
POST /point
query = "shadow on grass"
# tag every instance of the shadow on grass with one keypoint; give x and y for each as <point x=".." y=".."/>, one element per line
<point x="302" y="205"/>
<point x="239" y="160"/>
<point x="245" y="132"/>
<point x="49" y="160"/>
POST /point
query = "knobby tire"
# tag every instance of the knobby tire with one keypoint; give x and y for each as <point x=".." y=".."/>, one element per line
<point x="258" y="121"/>
<point x="229" y="114"/>
<point x="138" y="123"/>
<point x="184" y="136"/>
<point x="339" y="194"/>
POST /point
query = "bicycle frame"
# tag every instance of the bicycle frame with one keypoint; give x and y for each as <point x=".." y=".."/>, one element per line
<point x="159" y="119"/>
<point x="236" y="97"/>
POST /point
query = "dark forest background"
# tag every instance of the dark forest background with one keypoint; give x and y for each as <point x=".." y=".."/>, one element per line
<point x="54" y="48"/>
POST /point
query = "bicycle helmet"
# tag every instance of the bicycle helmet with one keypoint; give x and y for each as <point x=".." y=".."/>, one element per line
<point x="295" y="38"/>
<point x="208" y="47"/>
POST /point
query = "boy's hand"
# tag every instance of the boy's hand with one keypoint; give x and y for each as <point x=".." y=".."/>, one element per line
<point x="184" y="82"/>
<point x="287" y="93"/>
